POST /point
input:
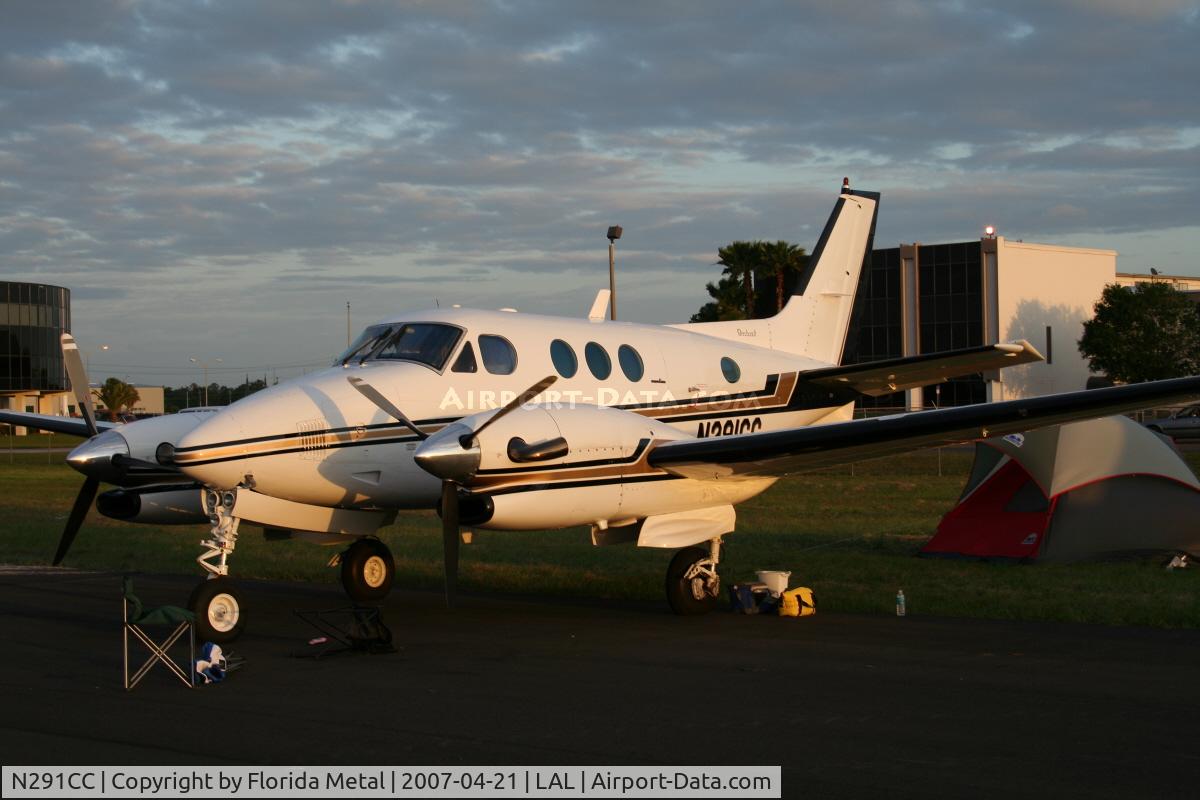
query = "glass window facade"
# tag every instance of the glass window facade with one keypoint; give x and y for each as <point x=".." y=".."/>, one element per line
<point x="950" y="297"/>
<point x="876" y="331"/>
<point x="33" y="317"/>
<point x="949" y="316"/>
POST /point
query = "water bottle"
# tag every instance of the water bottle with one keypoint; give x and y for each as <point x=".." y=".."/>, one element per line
<point x="900" y="603"/>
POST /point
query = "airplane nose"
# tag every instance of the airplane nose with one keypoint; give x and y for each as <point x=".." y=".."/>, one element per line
<point x="443" y="455"/>
<point x="213" y="452"/>
<point x="94" y="457"/>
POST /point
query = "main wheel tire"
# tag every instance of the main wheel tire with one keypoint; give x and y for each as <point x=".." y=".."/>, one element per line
<point x="368" y="571"/>
<point x="688" y="597"/>
<point x="217" y="604"/>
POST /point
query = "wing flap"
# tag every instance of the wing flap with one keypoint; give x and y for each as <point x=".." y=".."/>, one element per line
<point x="877" y="378"/>
<point x="814" y="447"/>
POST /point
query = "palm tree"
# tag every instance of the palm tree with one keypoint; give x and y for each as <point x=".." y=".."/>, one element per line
<point x="116" y="395"/>
<point x="740" y="260"/>
<point x="781" y="258"/>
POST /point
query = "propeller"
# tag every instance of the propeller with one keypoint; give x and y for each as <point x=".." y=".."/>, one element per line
<point x="375" y="396"/>
<point x="83" y="399"/>
<point x="447" y="455"/>
<point x="79" y="382"/>
<point x="518" y="401"/>
<point x="450" y="539"/>
<point x="83" y="501"/>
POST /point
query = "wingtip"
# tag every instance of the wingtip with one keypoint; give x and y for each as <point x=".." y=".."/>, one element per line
<point x="1019" y="347"/>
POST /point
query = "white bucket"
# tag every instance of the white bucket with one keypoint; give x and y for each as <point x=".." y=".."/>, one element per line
<point x="776" y="581"/>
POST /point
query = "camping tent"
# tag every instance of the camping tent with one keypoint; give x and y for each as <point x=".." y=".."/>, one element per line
<point x="1087" y="490"/>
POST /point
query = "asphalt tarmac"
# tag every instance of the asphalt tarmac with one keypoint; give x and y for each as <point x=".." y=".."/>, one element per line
<point x="850" y="706"/>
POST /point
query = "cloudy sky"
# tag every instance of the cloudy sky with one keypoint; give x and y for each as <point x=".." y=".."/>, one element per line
<point x="218" y="179"/>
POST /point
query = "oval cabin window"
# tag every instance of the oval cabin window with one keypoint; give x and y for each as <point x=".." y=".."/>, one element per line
<point x="597" y="360"/>
<point x="564" y="358"/>
<point x="730" y="370"/>
<point x="631" y="363"/>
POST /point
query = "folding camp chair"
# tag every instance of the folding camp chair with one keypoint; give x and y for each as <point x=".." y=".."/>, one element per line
<point x="136" y="617"/>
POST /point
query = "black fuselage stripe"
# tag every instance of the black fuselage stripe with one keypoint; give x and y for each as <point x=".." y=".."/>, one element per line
<point x="285" y="451"/>
<point x="549" y="486"/>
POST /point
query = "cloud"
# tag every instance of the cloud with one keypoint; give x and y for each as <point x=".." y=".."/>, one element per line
<point x="177" y="149"/>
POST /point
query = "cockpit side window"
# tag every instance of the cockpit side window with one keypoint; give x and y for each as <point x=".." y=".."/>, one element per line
<point x="466" y="360"/>
<point x="424" y="342"/>
<point x="499" y="356"/>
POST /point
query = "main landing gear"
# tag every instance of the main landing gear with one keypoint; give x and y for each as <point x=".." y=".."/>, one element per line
<point x="693" y="584"/>
<point x="368" y="571"/>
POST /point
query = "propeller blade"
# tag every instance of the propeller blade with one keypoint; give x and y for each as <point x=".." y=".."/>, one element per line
<point x="450" y="539"/>
<point x="83" y="502"/>
<point x="79" y="383"/>
<point x="518" y="401"/>
<point x="371" y="393"/>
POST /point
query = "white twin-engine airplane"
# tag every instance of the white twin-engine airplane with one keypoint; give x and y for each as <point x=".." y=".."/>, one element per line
<point x="647" y="433"/>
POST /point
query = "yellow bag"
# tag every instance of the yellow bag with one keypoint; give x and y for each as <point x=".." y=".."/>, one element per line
<point x="798" y="602"/>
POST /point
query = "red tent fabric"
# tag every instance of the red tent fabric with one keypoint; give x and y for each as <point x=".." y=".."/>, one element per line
<point x="984" y="528"/>
<point x="1090" y="490"/>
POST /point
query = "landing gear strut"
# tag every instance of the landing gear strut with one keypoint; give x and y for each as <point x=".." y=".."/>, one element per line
<point x="693" y="584"/>
<point x="216" y="601"/>
<point x="368" y="571"/>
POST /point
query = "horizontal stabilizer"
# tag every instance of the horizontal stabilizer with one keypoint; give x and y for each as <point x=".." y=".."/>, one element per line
<point x="877" y="378"/>
<point x="818" y="446"/>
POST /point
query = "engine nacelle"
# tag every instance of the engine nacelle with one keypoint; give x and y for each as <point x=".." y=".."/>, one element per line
<point x="156" y="505"/>
<point x="552" y="466"/>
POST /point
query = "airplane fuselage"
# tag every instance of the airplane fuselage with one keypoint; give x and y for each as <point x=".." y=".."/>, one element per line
<point x="317" y="440"/>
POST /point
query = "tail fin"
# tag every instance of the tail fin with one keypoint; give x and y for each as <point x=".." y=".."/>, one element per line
<point x="815" y="321"/>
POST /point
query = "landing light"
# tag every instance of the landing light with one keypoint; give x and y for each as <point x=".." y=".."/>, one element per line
<point x="990" y="232"/>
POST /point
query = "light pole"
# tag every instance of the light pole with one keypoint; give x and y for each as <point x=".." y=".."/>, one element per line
<point x="87" y="359"/>
<point x="204" y="365"/>
<point x="614" y="233"/>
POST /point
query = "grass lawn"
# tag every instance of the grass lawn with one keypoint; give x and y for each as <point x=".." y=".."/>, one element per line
<point x="33" y="440"/>
<point x="851" y="534"/>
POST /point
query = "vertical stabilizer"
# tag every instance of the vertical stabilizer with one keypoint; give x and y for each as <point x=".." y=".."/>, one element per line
<point x="815" y="321"/>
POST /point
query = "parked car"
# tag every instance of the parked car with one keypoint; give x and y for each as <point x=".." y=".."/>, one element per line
<point x="1183" y="424"/>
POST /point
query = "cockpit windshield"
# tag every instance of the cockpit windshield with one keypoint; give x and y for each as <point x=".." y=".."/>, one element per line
<point x="424" y="342"/>
<point x="364" y="344"/>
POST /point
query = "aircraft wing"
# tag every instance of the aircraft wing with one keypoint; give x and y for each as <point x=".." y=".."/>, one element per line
<point x="817" y="446"/>
<point x="49" y="422"/>
<point x="876" y="378"/>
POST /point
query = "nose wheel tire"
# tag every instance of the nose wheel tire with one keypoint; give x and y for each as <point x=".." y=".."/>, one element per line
<point x="217" y="604"/>
<point x="692" y="582"/>
<point x="368" y="571"/>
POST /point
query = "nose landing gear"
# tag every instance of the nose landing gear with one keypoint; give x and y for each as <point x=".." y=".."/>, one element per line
<point x="216" y="601"/>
